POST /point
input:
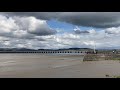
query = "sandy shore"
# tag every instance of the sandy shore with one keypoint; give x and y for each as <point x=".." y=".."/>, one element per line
<point x="55" y="66"/>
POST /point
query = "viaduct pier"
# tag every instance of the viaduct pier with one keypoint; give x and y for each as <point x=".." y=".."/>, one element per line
<point x="47" y="51"/>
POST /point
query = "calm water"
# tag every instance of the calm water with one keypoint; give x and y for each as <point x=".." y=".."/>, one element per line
<point x="19" y="63"/>
<point x="53" y="65"/>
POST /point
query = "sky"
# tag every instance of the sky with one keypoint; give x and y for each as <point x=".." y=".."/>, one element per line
<point x="55" y="30"/>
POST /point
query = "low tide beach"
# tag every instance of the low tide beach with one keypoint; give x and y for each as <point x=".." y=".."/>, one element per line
<point x="55" y="66"/>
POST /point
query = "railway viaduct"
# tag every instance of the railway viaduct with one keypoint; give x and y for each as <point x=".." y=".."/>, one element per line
<point x="47" y="51"/>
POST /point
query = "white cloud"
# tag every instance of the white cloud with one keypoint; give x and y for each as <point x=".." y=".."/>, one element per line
<point x="23" y="26"/>
<point x="65" y="40"/>
<point x="7" y="25"/>
<point x="30" y="32"/>
<point x="113" y="30"/>
<point x="20" y="46"/>
<point x="92" y="31"/>
<point x="34" y="26"/>
<point x="77" y="30"/>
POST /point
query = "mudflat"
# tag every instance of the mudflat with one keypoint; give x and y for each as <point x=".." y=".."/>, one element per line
<point x="55" y="66"/>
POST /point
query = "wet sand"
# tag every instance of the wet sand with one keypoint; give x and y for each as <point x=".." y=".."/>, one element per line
<point x="55" y="66"/>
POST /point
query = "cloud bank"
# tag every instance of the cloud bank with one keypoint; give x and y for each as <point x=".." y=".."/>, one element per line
<point x="94" y="19"/>
<point x="31" y="30"/>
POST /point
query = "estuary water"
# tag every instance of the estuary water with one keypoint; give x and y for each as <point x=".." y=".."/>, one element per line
<point x="35" y="65"/>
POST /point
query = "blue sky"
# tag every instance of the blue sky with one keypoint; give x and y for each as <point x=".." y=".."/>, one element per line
<point x="67" y="27"/>
<point x="61" y="25"/>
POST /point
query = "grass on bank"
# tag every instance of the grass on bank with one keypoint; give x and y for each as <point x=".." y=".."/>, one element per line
<point x="115" y="76"/>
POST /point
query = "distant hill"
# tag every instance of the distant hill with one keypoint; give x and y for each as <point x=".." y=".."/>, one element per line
<point x="67" y="49"/>
<point x="78" y="48"/>
<point x="12" y="50"/>
<point x="26" y="49"/>
<point x="16" y="49"/>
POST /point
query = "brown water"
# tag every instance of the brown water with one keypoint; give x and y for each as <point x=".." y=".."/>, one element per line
<point x="54" y="66"/>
